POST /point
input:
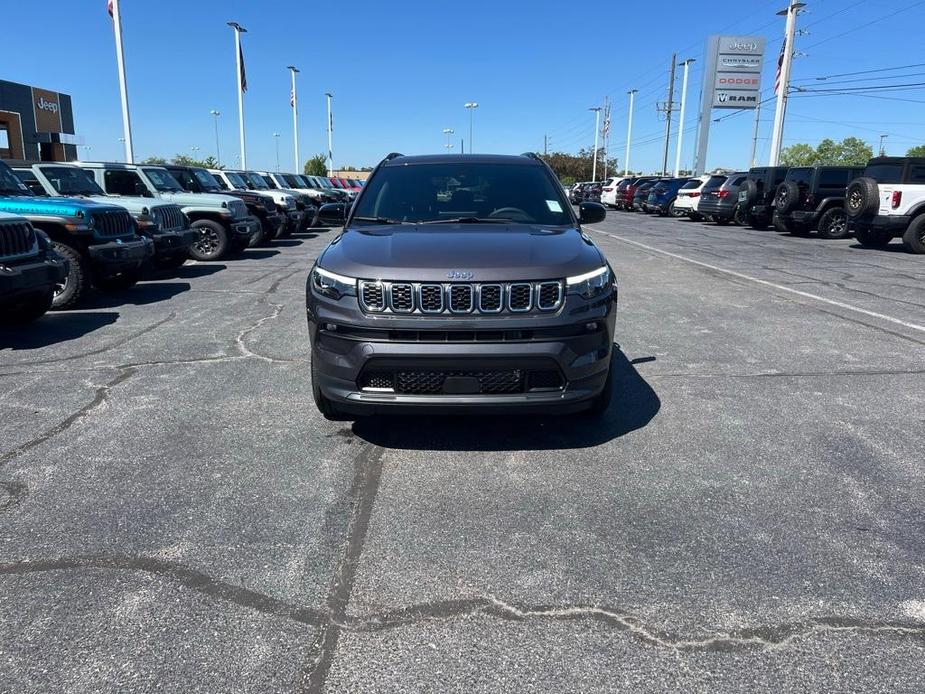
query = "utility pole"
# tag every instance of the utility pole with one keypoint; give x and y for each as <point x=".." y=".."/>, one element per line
<point x="330" y="96"/>
<point x="242" y="85"/>
<point x="882" y="138"/>
<point x="123" y="87"/>
<point x="606" y="135"/>
<point x="629" y="133"/>
<point x="677" y="158"/>
<point x="668" y="108"/>
<point x="754" y="159"/>
<point x="780" y="111"/>
<point x="597" y="125"/>
<point x="294" y="102"/>
<point x="546" y="144"/>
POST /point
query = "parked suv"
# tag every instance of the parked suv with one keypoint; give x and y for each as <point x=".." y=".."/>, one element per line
<point x="719" y="198"/>
<point x="305" y="203"/>
<point x="609" y="191"/>
<point x="642" y="194"/>
<point x="30" y="270"/>
<point x="888" y="201"/>
<point x="813" y="197"/>
<point x="687" y="201"/>
<point x="164" y="223"/>
<point x="461" y="283"/>
<point x="223" y="223"/>
<point x="97" y="240"/>
<point x="662" y="195"/>
<point x="629" y="192"/>
<point x="756" y="195"/>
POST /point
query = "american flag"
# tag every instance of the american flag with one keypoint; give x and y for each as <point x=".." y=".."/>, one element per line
<point x="109" y="7"/>
<point x="292" y="98"/>
<point x="243" y="75"/>
<point x="780" y="65"/>
<point x="606" y="128"/>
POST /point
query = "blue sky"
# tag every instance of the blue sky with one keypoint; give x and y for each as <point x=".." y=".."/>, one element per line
<point x="402" y="70"/>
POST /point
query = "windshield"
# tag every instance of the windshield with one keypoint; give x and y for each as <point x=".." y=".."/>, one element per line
<point x="885" y="173"/>
<point x="206" y="180"/>
<point x="68" y="180"/>
<point x="715" y="181"/>
<point x="690" y="185"/>
<point x="9" y="183"/>
<point x="163" y="181"/>
<point x="323" y="182"/>
<point x="256" y="180"/>
<point x="236" y="180"/>
<point x="445" y="191"/>
<point x="292" y="181"/>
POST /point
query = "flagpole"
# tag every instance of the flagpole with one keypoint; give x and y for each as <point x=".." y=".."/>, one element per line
<point x="123" y="87"/>
<point x="295" y="120"/>
<point x="780" y="109"/>
<point x="238" y="29"/>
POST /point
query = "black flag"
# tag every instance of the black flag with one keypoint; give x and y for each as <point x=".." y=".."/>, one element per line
<point x="243" y="75"/>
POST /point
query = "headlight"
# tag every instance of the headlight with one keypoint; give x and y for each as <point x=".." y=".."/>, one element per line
<point x="331" y="285"/>
<point x="590" y="284"/>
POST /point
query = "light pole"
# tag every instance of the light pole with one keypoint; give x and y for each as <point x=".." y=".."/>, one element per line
<point x="677" y="158"/>
<point x="194" y="149"/>
<point x="242" y="85"/>
<point x="116" y="13"/>
<point x="597" y="124"/>
<point x="448" y="132"/>
<point x="294" y="101"/>
<point x="629" y="133"/>
<point x="276" y="138"/>
<point x="882" y="138"/>
<point x="471" y="106"/>
<point x="780" y="110"/>
<point x="218" y="153"/>
<point x="330" y="96"/>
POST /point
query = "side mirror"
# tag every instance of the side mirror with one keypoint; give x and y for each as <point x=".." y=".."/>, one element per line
<point x="333" y="213"/>
<point x="141" y="191"/>
<point x="591" y="213"/>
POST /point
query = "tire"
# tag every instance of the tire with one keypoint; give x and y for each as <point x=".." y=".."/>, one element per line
<point x="740" y="216"/>
<point x="787" y="197"/>
<point x="872" y="238"/>
<point x="862" y="198"/>
<point x="833" y="224"/>
<point x="30" y="310"/>
<point x="262" y="237"/>
<point x="213" y="243"/>
<point x="601" y="402"/>
<point x="119" y="283"/>
<point x="750" y="190"/>
<point x="675" y="212"/>
<point x="914" y="238"/>
<point x="784" y="226"/>
<point x="325" y="406"/>
<point x="76" y="282"/>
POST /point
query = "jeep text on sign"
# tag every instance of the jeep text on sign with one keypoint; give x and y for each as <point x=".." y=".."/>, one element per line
<point x="47" y="109"/>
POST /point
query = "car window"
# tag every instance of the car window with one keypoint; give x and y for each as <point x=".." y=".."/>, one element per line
<point x="206" y="180"/>
<point x="235" y="179"/>
<point x="801" y="176"/>
<point x="447" y="190"/>
<point x="738" y="181"/>
<point x="123" y="182"/>
<point x="69" y="180"/>
<point x="715" y="181"/>
<point x="32" y="183"/>
<point x="916" y="173"/>
<point x="834" y="178"/>
<point x="692" y="185"/>
<point x="885" y="173"/>
<point x="221" y="182"/>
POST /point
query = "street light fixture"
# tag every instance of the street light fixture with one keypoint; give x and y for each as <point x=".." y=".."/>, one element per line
<point x="471" y="106"/>
<point x="882" y="138"/>
<point x="448" y="132"/>
<point x="597" y="125"/>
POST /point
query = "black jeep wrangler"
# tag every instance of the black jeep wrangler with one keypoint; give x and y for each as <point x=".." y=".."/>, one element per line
<point x="812" y="198"/>
<point x="30" y="270"/>
<point x="196" y="180"/>
<point x="756" y="195"/>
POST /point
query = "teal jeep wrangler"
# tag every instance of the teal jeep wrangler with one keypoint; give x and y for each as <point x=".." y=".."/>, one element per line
<point x="97" y="240"/>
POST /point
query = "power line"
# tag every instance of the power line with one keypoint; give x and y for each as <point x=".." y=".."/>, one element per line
<point x="866" y="24"/>
<point x="867" y="72"/>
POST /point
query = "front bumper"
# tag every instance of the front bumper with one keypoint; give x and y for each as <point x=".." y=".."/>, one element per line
<point x="171" y="243"/>
<point x="243" y="229"/>
<point x="120" y="256"/>
<point x="800" y="216"/>
<point x="33" y="276"/>
<point x="896" y="225"/>
<point x="343" y="358"/>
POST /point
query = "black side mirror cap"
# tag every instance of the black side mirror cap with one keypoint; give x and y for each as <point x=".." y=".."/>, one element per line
<point x="334" y="213"/>
<point x="591" y="212"/>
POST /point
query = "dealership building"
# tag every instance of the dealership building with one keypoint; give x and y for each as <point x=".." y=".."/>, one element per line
<point x="36" y="124"/>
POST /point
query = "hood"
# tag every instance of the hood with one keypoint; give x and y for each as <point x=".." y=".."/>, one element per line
<point x="62" y="207"/>
<point x="491" y="252"/>
<point x="130" y="203"/>
<point x="185" y="199"/>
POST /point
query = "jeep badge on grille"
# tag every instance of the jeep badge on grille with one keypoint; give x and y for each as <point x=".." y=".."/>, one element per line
<point x="460" y="275"/>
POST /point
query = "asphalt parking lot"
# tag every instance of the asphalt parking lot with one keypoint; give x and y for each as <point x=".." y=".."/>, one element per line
<point x="750" y="514"/>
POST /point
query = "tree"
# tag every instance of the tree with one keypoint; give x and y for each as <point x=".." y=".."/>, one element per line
<point x="578" y="167"/>
<point x="851" y="151"/>
<point x="184" y="160"/>
<point x="917" y="151"/>
<point x="316" y="166"/>
<point x="154" y="161"/>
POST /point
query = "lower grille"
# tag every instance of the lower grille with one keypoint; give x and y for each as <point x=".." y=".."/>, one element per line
<point x="447" y="381"/>
<point x="16" y="238"/>
<point x="113" y="223"/>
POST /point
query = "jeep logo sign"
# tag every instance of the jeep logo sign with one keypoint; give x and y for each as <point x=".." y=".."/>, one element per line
<point x="50" y="106"/>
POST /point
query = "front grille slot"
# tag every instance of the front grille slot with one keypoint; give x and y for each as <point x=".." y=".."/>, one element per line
<point x="549" y="296"/>
<point x="402" y="298"/>
<point x="461" y="298"/>
<point x="372" y="294"/>
<point x="16" y="238"/>
<point x="491" y="298"/>
<point x="113" y="223"/>
<point x="432" y="298"/>
<point x="520" y="297"/>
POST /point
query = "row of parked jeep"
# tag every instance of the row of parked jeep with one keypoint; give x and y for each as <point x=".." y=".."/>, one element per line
<point x="876" y="203"/>
<point x="65" y="228"/>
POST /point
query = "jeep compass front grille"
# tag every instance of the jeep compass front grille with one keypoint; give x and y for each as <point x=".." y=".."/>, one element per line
<point x="460" y="298"/>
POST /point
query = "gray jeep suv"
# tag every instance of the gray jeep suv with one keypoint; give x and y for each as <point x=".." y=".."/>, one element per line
<point x="461" y="283"/>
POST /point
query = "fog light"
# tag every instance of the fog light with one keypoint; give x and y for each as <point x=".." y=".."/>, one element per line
<point x="330" y="327"/>
<point x="590" y="327"/>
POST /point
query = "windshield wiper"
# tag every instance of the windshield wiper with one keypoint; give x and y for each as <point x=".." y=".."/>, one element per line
<point x="469" y="220"/>
<point x="379" y="220"/>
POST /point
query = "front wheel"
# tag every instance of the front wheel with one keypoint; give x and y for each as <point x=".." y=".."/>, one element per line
<point x="872" y="238"/>
<point x="740" y="217"/>
<point x="914" y="238"/>
<point x="833" y="224"/>
<point x="76" y="282"/>
<point x="212" y="243"/>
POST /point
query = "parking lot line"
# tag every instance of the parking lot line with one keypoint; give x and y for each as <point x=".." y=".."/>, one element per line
<point x="756" y="280"/>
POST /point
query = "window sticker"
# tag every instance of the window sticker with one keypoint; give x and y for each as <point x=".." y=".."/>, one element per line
<point x="553" y="205"/>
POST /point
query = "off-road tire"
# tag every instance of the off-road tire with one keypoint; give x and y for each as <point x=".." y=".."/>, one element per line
<point x="787" y="197"/>
<point x="750" y="189"/>
<point x="213" y="243"/>
<point x="76" y="282"/>
<point x="782" y="225"/>
<point x="260" y="238"/>
<point x="872" y="238"/>
<point x="740" y="216"/>
<point x="914" y="238"/>
<point x="862" y="198"/>
<point x="833" y="224"/>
